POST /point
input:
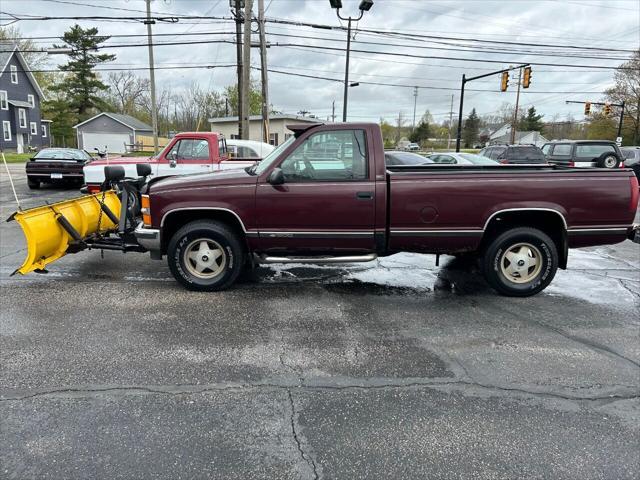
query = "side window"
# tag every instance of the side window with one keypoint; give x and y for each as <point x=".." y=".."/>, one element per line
<point x="562" y="150"/>
<point x="246" y="152"/>
<point x="190" y="150"/>
<point x="339" y="155"/>
<point x="546" y="148"/>
<point x="222" y="147"/>
<point x="593" y="151"/>
<point x="499" y="153"/>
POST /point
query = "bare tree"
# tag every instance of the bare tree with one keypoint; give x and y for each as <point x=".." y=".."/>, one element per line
<point x="127" y="91"/>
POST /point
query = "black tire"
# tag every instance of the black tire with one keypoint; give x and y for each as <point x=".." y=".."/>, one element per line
<point x="33" y="184"/>
<point x="495" y="262"/>
<point x="609" y="161"/>
<point x="217" y="235"/>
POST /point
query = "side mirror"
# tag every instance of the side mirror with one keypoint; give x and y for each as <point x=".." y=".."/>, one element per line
<point x="276" y="177"/>
<point x="143" y="169"/>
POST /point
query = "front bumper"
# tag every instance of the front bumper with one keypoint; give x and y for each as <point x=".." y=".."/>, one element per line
<point x="149" y="238"/>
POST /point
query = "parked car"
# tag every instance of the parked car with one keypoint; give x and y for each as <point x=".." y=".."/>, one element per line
<point x="583" y="153"/>
<point x="397" y="157"/>
<point x="248" y="150"/>
<point x="514" y="154"/>
<point x="412" y="147"/>
<point x="187" y="153"/>
<point x="458" y="158"/>
<point x="632" y="159"/>
<point x="289" y="208"/>
<point x="59" y="165"/>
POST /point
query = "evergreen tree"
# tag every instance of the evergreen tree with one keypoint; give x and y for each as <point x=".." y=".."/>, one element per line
<point x="470" y="129"/>
<point x="81" y="85"/>
<point x="532" y="122"/>
<point x="423" y="129"/>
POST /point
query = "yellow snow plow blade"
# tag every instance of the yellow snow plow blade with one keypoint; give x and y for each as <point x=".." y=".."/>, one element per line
<point x="50" y="229"/>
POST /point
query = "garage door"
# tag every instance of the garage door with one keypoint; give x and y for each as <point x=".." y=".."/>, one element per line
<point x="113" y="141"/>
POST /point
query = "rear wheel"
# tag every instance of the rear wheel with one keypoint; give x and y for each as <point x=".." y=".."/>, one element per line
<point x="608" y="161"/>
<point x="520" y="262"/>
<point x="205" y="256"/>
<point x="33" y="184"/>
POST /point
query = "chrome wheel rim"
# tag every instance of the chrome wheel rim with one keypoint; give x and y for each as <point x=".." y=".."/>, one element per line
<point x="610" y="162"/>
<point x="205" y="258"/>
<point x="521" y="263"/>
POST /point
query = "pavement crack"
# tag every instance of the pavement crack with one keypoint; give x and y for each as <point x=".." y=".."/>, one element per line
<point x="630" y="392"/>
<point x="306" y="457"/>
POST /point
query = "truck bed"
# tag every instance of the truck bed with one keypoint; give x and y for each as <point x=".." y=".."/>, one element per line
<point x="436" y="207"/>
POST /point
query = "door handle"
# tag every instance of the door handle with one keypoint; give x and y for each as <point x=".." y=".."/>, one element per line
<point x="364" y="195"/>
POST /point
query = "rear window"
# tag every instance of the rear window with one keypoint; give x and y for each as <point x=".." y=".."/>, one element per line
<point x="593" y="151"/>
<point x="546" y="148"/>
<point x="562" y="149"/>
<point x="496" y="152"/>
<point x="525" y="153"/>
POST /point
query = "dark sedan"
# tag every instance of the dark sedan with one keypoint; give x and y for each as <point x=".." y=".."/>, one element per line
<point x="57" y="165"/>
<point x="396" y="157"/>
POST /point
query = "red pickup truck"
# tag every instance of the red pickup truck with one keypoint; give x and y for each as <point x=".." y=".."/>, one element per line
<point x="326" y="196"/>
<point x="187" y="153"/>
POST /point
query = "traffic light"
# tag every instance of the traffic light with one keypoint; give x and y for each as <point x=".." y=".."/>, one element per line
<point x="526" y="79"/>
<point x="587" y="109"/>
<point x="607" y="109"/>
<point x="504" y="82"/>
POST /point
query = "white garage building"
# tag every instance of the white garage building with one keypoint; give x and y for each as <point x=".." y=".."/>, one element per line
<point x="110" y="130"/>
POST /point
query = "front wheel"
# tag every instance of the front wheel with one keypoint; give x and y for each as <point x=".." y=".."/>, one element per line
<point x="520" y="262"/>
<point x="205" y="256"/>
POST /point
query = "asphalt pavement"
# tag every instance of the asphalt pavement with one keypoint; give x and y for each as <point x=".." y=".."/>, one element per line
<point x="393" y="369"/>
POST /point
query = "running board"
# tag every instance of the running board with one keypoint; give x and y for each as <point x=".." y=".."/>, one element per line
<point x="317" y="260"/>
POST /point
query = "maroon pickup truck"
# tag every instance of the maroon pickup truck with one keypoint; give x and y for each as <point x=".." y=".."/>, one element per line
<point x="326" y="196"/>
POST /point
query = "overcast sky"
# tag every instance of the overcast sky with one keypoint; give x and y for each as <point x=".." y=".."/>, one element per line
<point x="603" y="24"/>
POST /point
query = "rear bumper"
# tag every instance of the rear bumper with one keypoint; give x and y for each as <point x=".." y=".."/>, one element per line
<point x="149" y="238"/>
<point x="44" y="176"/>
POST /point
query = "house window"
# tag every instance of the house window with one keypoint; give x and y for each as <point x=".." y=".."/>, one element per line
<point x="235" y="136"/>
<point x="34" y="128"/>
<point x="273" y="139"/>
<point x="22" y="116"/>
<point x="44" y="131"/>
<point x="14" y="74"/>
<point x="4" y="103"/>
<point x="31" y="100"/>
<point x="6" y="131"/>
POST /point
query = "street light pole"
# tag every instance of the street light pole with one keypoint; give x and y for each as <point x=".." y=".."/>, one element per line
<point x="365" y="5"/>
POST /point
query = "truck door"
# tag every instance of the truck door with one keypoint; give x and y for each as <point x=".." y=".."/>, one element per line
<point x="188" y="155"/>
<point x="327" y="201"/>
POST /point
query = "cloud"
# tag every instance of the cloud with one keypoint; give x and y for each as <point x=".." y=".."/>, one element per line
<point x="608" y="24"/>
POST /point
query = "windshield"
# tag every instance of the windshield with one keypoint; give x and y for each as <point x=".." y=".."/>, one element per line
<point x="478" y="159"/>
<point x="410" y="158"/>
<point x="272" y="157"/>
<point x="62" y="154"/>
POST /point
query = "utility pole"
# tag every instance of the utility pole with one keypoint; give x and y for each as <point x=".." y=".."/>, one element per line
<point x="333" y="111"/>
<point x="237" y="14"/>
<point x="246" y="72"/>
<point x="152" y="79"/>
<point x="515" y="113"/>
<point x="415" y="101"/>
<point x="450" y="123"/>
<point x="265" y="80"/>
